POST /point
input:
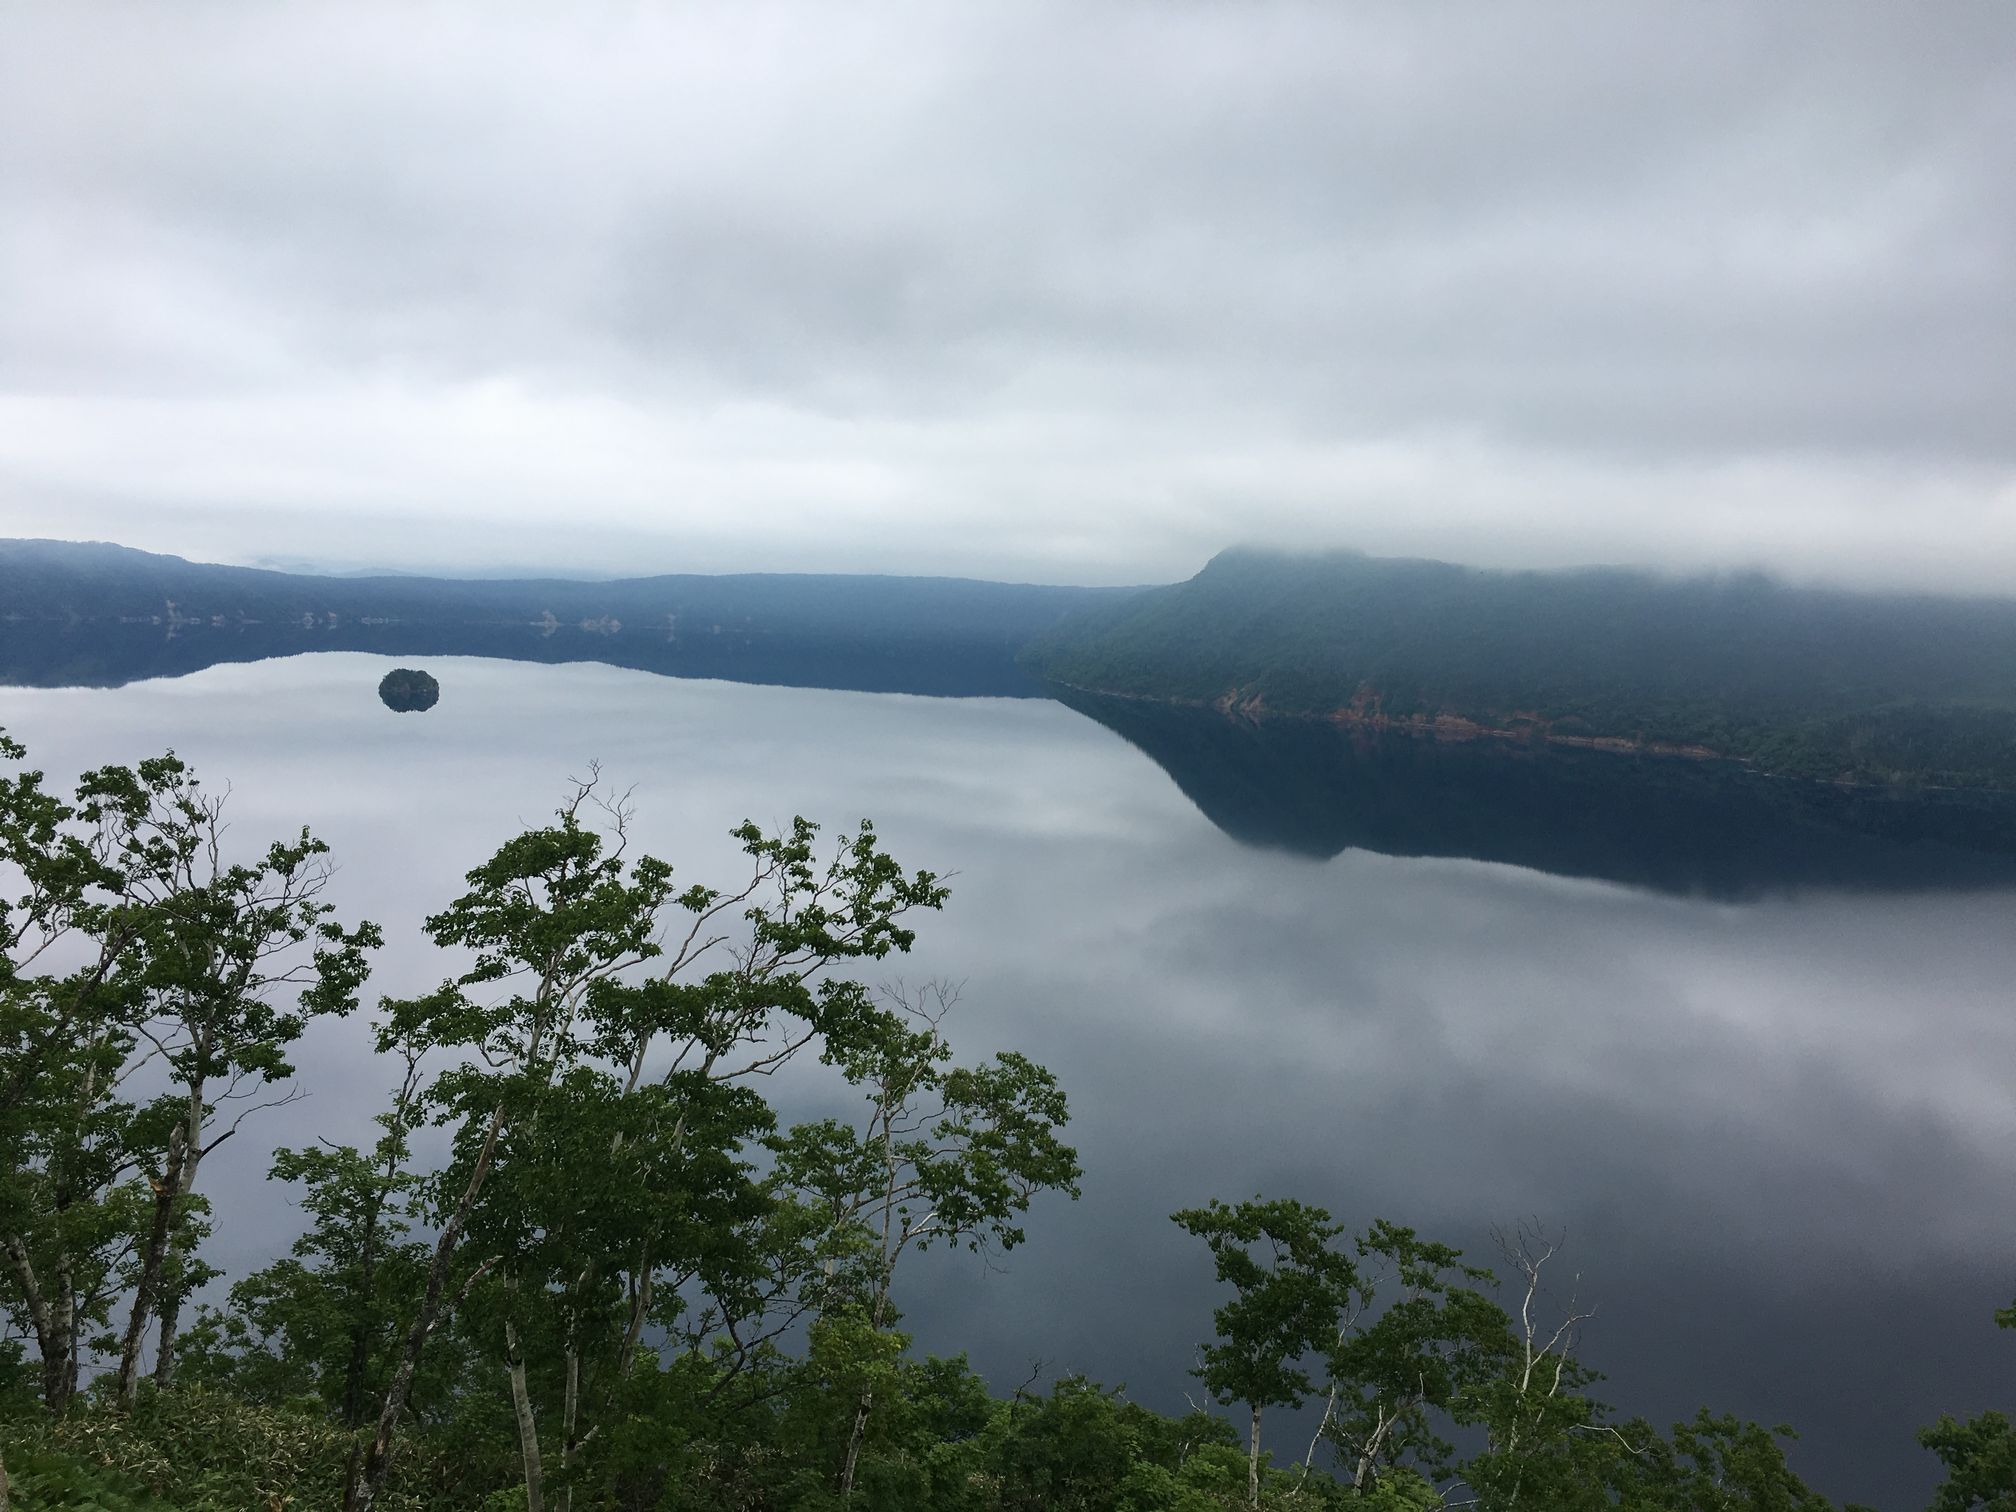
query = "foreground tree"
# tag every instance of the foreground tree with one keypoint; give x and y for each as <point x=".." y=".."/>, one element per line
<point x="1291" y="1286"/>
<point x="604" y="1086"/>
<point x="1978" y="1455"/>
<point x="235" y="961"/>
<point x="179" y="961"/>
<point x="948" y="1156"/>
<point x="1416" y="1349"/>
<point x="69" y="924"/>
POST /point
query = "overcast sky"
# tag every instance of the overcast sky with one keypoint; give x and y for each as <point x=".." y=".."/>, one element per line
<point x="1074" y="292"/>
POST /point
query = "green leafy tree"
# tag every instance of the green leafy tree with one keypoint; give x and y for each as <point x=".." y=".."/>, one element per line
<point x="1416" y="1346"/>
<point x="204" y="968"/>
<point x="1547" y="1443"/>
<point x="65" y="1035"/>
<point x="1291" y="1286"/>
<point x="1979" y="1455"/>
<point x="323" y="1323"/>
<point x="234" y="961"/>
<point x="583" y="993"/>
<point x="1550" y="1444"/>
<point x="948" y="1155"/>
<point x="1707" y="1464"/>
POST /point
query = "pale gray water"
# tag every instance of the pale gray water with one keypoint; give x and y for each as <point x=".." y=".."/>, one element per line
<point x="1779" y="1133"/>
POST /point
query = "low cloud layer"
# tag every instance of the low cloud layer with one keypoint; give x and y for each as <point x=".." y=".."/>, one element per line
<point x="1068" y="292"/>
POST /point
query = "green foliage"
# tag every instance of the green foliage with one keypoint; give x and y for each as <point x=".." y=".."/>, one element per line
<point x="1979" y="1455"/>
<point x="204" y="968"/>
<point x="43" y="1478"/>
<point x="1290" y="1287"/>
<point x="1425" y="1357"/>
<point x="1082" y="1448"/>
<point x="190" y="1450"/>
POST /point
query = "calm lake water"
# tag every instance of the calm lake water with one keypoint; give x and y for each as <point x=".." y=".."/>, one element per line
<point x="1760" y="1076"/>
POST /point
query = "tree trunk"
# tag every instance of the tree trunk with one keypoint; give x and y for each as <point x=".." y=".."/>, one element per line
<point x="63" y="1315"/>
<point x="354" y="1369"/>
<point x="570" y="1416"/>
<point x="854" y="1438"/>
<point x="59" y="1361"/>
<point x="154" y="1259"/>
<point x="164" y="1358"/>
<point x="362" y="1491"/>
<point x="1368" y="1452"/>
<point x="640" y="1308"/>
<point x="879" y="1314"/>
<point x="53" y="1319"/>
<point x="1253" y="1461"/>
<point x="528" y="1426"/>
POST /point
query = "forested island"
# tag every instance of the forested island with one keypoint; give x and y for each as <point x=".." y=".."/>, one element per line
<point x="407" y="690"/>
<point x="631" y="1283"/>
<point x="1806" y="682"/>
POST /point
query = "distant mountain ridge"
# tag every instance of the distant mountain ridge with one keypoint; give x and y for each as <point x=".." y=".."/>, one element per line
<point x="1808" y="682"/>
<point x="1811" y="682"/>
<point x="42" y="579"/>
<point x="74" y="612"/>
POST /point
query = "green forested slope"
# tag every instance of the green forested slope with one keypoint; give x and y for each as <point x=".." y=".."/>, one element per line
<point x="1814" y="682"/>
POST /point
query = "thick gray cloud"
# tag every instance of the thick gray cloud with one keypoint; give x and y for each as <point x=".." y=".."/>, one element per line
<point x="1064" y="291"/>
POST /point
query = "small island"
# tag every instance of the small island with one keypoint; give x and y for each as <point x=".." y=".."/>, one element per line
<point x="407" y="691"/>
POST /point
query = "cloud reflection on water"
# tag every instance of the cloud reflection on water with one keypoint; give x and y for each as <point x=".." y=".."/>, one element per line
<point x="1777" y="1132"/>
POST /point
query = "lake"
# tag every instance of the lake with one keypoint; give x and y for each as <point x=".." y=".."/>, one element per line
<point x="1749" y="1048"/>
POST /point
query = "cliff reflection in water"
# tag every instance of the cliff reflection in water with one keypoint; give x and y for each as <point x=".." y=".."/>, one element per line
<point x="1708" y="828"/>
<point x="1303" y="786"/>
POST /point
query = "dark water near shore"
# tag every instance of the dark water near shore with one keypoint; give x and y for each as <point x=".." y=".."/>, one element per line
<point x="1751" y="1047"/>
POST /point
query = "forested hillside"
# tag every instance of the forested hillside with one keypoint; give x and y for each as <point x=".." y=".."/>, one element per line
<point x="1806" y="681"/>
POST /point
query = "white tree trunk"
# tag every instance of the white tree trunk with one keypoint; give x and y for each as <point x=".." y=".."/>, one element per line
<point x="1253" y="1460"/>
<point x="528" y="1426"/>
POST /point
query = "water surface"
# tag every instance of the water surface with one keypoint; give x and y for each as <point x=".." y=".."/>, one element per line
<point x="1769" y="1104"/>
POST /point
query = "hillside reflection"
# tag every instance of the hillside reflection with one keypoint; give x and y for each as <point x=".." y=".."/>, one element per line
<point x="1677" y="826"/>
<point x="1300" y="786"/>
<point x="110" y="655"/>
